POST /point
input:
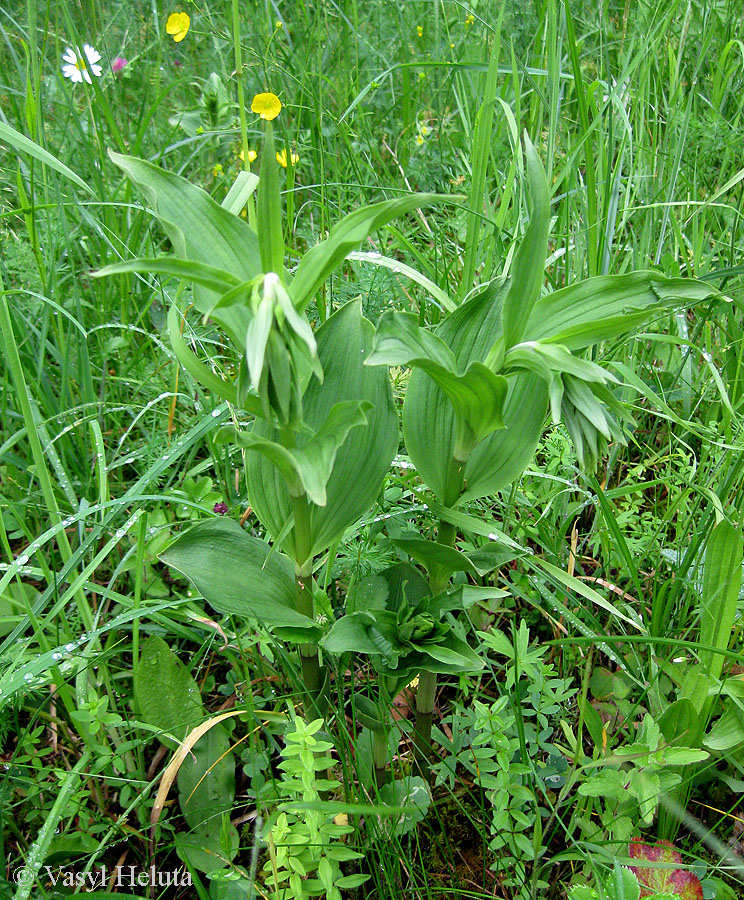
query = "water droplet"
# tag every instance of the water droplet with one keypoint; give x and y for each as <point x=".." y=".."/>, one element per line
<point x="21" y="560"/>
<point x="215" y="413"/>
<point x="69" y="647"/>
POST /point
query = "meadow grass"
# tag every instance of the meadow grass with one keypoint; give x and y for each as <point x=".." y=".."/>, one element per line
<point x="107" y="446"/>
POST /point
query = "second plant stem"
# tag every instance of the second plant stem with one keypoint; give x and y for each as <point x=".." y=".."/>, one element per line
<point x="427" y="686"/>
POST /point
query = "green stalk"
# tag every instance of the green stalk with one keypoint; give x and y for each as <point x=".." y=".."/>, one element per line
<point x="309" y="657"/>
<point x="427" y="687"/>
<point x="241" y="103"/>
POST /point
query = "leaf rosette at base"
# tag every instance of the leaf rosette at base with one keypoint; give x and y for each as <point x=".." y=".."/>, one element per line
<point x="404" y="629"/>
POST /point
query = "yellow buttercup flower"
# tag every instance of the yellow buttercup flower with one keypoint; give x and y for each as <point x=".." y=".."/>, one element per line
<point x="420" y="30"/>
<point x="178" y="26"/>
<point x="281" y="158"/>
<point x="419" y="139"/>
<point x="218" y="170"/>
<point x="268" y="106"/>
<point x="251" y="156"/>
<point x="469" y="19"/>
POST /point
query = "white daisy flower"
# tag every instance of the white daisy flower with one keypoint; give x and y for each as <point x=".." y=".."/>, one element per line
<point x="78" y="66"/>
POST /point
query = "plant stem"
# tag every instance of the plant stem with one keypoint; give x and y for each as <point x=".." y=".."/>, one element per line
<point x="427" y="687"/>
<point x="309" y="658"/>
<point x="425" y="698"/>
<point x="380" y="755"/>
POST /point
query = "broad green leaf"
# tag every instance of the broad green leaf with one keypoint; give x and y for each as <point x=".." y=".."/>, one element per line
<point x="727" y="732"/>
<point x="681" y="725"/>
<point x="367" y="594"/>
<point x="683" y="756"/>
<point x="206" y="781"/>
<point x="528" y="266"/>
<point x="624" y="886"/>
<point x="480" y="524"/>
<point x="347" y="235"/>
<point x="350" y="634"/>
<point x="406" y="584"/>
<point x="370" y="715"/>
<point x="721" y="586"/>
<point x="344" y="340"/>
<point x="349" y="882"/>
<point x="199" y="273"/>
<point x="492" y="556"/>
<point x="477" y="396"/>
<point x="430" y="425"/>
<point x="165" y="694"/>
<point x="544" y="359"/>
<point x="413" y="795"/>
<point x="306" y="469"/>
<point x="237" y="573"/>
<point x="605" y="783"/>
<point x="280" y="457"/>
<point x="200" y="230"/>
<point x="204" y="848"/>
<point x="582" y="892"/>
<point x="453" y="655"/>
<point x="463" y="596"/>
<point x="435" y="557"/>
<point x="400" y="341"/>
<point x="25" y="145"/>
<point x="592" y="721"/>
<point x="696" y="686"/>
<point x="446" y="560"/>
<point x="599" y="308"/>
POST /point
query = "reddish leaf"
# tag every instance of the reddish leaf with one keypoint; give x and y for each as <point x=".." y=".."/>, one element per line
<point x="665" y="874"/>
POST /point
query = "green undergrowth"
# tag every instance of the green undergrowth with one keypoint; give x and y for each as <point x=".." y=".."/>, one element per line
<point x="609" y="705"/>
